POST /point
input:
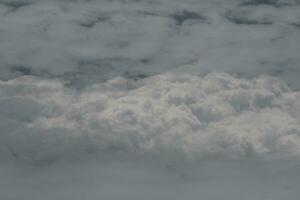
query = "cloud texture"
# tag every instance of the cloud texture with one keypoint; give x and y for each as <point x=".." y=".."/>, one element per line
<point x="170" y="113"/>
<point x="152" y="99"/>
<point x="88" y="41"/>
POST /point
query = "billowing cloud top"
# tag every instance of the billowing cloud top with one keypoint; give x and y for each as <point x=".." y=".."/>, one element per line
<point x="215" y="114"/>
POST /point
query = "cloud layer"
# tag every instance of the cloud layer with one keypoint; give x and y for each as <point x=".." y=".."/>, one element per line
<point x="89" y="41"/>
<point x="151" y="99"/>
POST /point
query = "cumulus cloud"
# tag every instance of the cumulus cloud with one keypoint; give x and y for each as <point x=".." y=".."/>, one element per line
<point x="133" y="139"/>
<point x="195" y="115"/>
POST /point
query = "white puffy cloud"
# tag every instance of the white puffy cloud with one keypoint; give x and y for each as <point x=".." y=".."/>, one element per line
<point x="194" y="115"/>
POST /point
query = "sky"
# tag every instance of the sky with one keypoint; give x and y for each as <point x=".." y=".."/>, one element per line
<point x="152" y="99"/>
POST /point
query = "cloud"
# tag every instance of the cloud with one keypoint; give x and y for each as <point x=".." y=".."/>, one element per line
<point x="194" y="115"/>
<point x="172" y="135"/>
<point x="152" y="99"/>
<point x="67" y="39"/>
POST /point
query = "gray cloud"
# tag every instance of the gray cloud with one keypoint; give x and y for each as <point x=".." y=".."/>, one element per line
<point x="52" y="38"/>
<point x="154" y="99"/>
